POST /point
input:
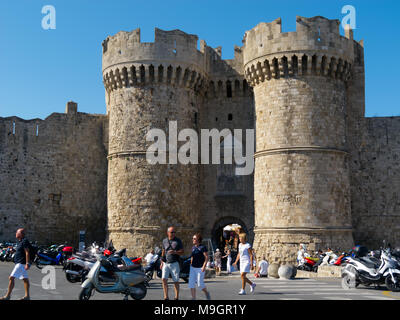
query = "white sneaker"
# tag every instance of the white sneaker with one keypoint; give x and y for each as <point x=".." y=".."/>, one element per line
<point x="252" y="287"/>
<point x="242" y="292"/>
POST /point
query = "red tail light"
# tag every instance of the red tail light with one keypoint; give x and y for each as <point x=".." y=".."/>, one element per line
<point x="137" y="260"/>
<point x="72" y="258"/>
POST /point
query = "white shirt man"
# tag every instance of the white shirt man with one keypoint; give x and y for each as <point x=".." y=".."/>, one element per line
<point x="263" y="268"/>
<point x="149" y="257"/>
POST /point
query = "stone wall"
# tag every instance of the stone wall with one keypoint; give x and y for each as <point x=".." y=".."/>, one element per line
<point x="376" y="176"/>
<point x="53" y="177"/>
<point x="323" y="172"/>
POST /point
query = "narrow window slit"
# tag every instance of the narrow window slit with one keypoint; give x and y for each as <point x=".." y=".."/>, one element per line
<point x="228" y="89"/>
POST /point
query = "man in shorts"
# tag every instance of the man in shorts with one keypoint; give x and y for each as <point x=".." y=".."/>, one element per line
<point x="172" y="250"/>
<point x="21" y="260"/>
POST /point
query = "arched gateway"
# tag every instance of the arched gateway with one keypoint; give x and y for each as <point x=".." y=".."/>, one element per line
<point x="217" y="230"/>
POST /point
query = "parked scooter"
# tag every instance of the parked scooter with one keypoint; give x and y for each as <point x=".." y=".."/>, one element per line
<point x="10" y="253"/>
<point x="51" y="256"/>
<point x="67" y="252"/>
<point x="341" y="260"/>
<point x="78" y="266"/>
<point x="308" y="264"/>
<point x="366" y="270"/>
<point x="129" y="278"/>
<point x="3" y="254"/>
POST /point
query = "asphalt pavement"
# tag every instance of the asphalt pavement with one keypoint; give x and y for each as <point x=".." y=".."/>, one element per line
<point x="46" y="287"/>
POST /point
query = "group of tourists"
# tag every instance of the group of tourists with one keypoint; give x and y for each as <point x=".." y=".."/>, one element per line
<point x="173" y="248"/>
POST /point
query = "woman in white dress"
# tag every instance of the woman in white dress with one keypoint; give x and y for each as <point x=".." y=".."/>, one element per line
<point x="229" y="259"/>
<point x="246" y="263"/>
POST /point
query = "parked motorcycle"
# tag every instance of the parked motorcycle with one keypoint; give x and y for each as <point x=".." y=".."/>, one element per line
<point x="367" y="270"/>
<point x="67" y="252"/>
<point x="50" y="256"/>
<point x="309" y="264"/>
<point x="341" y="259"/>
<point x="2" y="252"/>
<point x="155" y="264"/>
<point x="129" y="278"/>
<point x="78" y="266"/>
<point x="10" y="253"/>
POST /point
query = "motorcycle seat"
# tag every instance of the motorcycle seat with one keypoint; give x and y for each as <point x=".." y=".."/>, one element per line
<point x="120" y="253"/>
<point x="368" y="263"/>
<point x="129" y="268"/>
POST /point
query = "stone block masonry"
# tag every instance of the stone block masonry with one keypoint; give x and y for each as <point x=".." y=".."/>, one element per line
<point x="53" y="177"/>
<point x="324" y="174"/>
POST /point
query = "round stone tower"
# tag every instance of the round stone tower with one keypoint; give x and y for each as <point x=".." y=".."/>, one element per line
<point x="301" y="179"/>
<point x="150" y="86"/>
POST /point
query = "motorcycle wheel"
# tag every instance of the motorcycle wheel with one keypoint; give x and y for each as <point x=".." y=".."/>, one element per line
<point x="394" y="287"/>
<point x="72" y="278"/>
<point x="348" y="282"/>
<point x="86" y="293"/>
<point x="38" y="264"/>
<point x="141" y="286"/>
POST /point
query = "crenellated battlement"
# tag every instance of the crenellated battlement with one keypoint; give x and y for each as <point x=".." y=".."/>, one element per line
<point x="173" y="58"/>
<point x="127" y="75"/>
<point x="169" y="47"/>
<point x="316" y="47"/>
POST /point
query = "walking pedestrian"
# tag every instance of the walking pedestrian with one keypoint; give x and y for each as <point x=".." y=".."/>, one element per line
<point x="198" y="262"/>
<point x="217" y="262"/>
<point x="21" y="260"/>
<point x="245" y="255"/>
<point x="171" y="252"/>
<point x="227" y="252"/>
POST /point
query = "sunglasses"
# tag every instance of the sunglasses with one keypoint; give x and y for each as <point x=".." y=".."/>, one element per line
<point x="172" y="232"/>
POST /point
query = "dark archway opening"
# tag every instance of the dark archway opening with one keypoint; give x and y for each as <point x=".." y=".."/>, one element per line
<point x="226" y="233"/>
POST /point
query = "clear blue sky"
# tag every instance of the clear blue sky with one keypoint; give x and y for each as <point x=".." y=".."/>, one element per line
<point x="40" y="70"/>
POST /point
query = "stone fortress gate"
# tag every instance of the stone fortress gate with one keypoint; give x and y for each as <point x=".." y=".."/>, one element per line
<point x="325" y="175"/>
